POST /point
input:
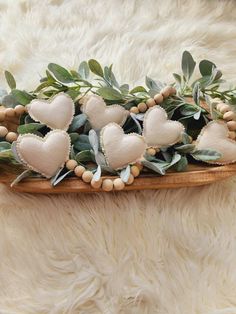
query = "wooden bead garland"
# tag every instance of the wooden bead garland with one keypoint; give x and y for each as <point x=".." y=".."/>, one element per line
<point x="156" y="100"/>
<point x="228" y="115"/>
<point x="106" y="184"/>
<point x="9" y="113"/>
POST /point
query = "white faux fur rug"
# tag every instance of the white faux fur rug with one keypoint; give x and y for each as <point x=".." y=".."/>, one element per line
<point x="165" y="252"/>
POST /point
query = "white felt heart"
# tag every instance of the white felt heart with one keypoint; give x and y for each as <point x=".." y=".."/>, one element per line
<point x="57" y="113"/>
<point x="158" y="131"/>
<point x="44" y="155"/>
<point x="214" y="136"/>
<point x="99" y="114"/>
<point x="121" y="149"/>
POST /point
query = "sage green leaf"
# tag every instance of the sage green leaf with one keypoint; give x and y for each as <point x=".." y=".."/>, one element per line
<point x="186" y="148"/>
<point x="197" y="115"/>
<point x="125" y="174"/>
<point x="6" y="155"/>
<point x="22" y="176"/>
<point x="10" y="80"/>
<point x="182" y="164"/>
<point x="124" y="89"/>
<point x="154" y="166"/>
<point x="29" y="128"/>
<point x="174" y="160"/>
<point x="138" y="89"/>
<point x="185" y="138"/>
<point x="83" y="70"/>
<point x="206" y="155"/>
<point x="95" y="67"/>
<point x="60" y="178"/>
<point x="9" y="101"/>
<point x="42" y="86"/>
<point x="82" y="143"/>
<point x="84" y="156"/>
<point x="133" y="116"/>
<point x="206" y="67"/>
<point x="73" y="137"/>
<point x="188" y="65"/>
<point x="50" y="78"/>
<point x="93" y="140"/>
<point x="4" y="146"/>
<point x="77" y="122"/>
<point x="109" y="93"/>
<point x="151" y="84"/>
<point x="14" y="152"/>
<point x="97" y="174"/>
<point x="60" y="73"/>
<point x="196" y="93"/>
<point x="177" y="78"/>
<point x="22" y="97"/>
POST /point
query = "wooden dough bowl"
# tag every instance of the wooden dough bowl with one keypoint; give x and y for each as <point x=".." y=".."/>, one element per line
<point x="198" y="174"/>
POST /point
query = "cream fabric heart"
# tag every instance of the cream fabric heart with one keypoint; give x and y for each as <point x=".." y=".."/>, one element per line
<point x="44" y="155"/>
<point x="214" y="136"/>
<point x="57" y="113"/>
<point x="158" y="131"/>
<point x="99" y="114"/>
<point x="121" y="149"/>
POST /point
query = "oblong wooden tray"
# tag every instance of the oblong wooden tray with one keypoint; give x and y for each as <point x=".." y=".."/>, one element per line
<point x="195" y="175"/>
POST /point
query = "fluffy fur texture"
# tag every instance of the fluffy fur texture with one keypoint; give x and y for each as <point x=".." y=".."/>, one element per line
<point x="166" y="252"/>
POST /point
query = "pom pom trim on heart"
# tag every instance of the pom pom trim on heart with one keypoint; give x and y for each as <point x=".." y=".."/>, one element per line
<point x="49" y="101"/>
<point x="215" y="162"/>
<point x="172" y="121"/>
<point x="130" y="134"/>
<point x="42" y="139"/>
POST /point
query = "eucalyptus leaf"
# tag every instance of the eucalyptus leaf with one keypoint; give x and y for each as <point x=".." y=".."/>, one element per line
<point x="22" y="176"/>
<point x="109" y="93"/>
<point x="22" y="97"/>
<point x="83" y="70"/>
<point x="10" y="80"/>
<point x="95" y="67"/>
<point x="73" y="137"/>
<point x="97" y="174"/>
<point x="29" y="128"/>
<point x="182" y="164"/>
<point x="77" y="122"/>
<point x="84" y="156"/>
<point x="82" y="143"/>
<point x="60" y="73"/>
<point x="186" y="148"/>
<point x="206" y="155"/>
<point x="188" y="65"/>
<point x="62" y="177"/>
<point x="94" y="142"/>
<point x="125" y="174"/>
<point x="138" y="89"/>
<point x="156" y="167"/>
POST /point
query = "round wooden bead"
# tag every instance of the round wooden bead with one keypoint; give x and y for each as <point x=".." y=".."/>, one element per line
<point x="96" y="184"/>
<point x="224" y="108"/>
<point x="79" y="170"/>
<point x="3" y="131"/>
<point x="166" y="91"/>
<point x="139" y="165"/>
<point x="219" y="105"/>
<point x="158" y="98"/>
<point x="135" y="171"/>
<point x="11" y="137"/>
<point x="19" y="109"/>
<point x="10" y="112"/>
<point x="150" y="102"/>
<point x="2" y="115"/>
<point x="232" y="135"/>
<point x="142" y="107"/>
<point x="151" y="151"/>
<point x="87" y="176"/>
<point x="71" y="164"/>
<point x="131" y="180"/>
<point x="172" y="90"/>
<point x="134" y="110"/>
<point x="231" y="125"/>
<point x="107" y="185"/>
<point x="118" y="184"/>
<point x="230" y="115"/>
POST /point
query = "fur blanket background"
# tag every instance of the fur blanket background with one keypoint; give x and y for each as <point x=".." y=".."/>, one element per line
<point x="165" y="252"/>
